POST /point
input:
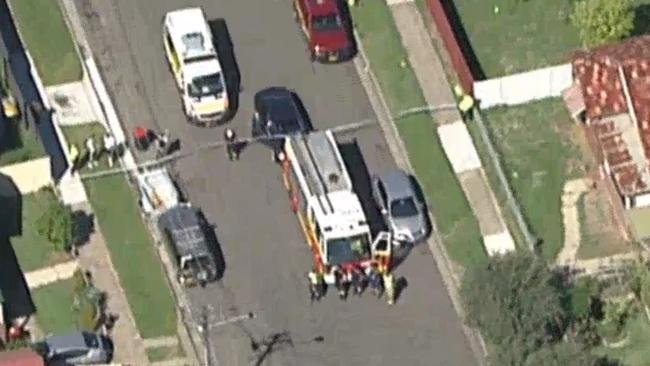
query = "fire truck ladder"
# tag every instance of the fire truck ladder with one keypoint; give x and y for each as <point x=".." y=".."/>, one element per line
<point x="319" y="176"/>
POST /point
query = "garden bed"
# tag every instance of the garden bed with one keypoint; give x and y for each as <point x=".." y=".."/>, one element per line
<point x="456" y="223"/>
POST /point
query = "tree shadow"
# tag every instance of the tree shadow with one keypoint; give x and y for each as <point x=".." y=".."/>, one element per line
<point x="226" y="51"/>
<point x="11" y="215"/>
<point x="641" y="20"/>
<point x="13" y="286"/>
<point x="210" y="231"/>
<point x="84" y="226"/>
<point x="463" y="40"/>
<point x="11" y="138"/>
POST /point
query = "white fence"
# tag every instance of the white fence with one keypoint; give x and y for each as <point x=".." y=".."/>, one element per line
<point x="524" y="87"/>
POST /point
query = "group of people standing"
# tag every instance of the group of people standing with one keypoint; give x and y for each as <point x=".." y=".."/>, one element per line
<point x="92" y="154"/>
<point x="354" y="279"/>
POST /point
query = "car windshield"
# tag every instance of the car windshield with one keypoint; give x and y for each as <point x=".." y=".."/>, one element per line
<point x="345" y="250"/>
<point x="198" y="264"/>
<point x="91" y="340"/>
<point x="327" y="23"/>
<point x="206" y="85"/>
<point x="403" y="207"/>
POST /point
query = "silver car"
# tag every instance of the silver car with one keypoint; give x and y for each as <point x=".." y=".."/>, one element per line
<point x="403" y="212"/>
<point x="79" y="348"/>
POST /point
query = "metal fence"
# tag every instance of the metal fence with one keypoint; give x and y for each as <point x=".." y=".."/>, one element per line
<point x="503" y="185"/>
<point x="524" y="87"/>
<point x="24" y="88"/>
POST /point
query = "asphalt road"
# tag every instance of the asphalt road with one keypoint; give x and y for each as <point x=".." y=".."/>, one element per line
<point x="265" y="253"/>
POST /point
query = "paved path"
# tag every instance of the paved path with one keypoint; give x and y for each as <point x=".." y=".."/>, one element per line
<point x="45" y="276"/>
<point x="246" y="201"/>
<point x="94" y="257"/>
<point x="428" y="68"/>
<point x="571" y="194"/>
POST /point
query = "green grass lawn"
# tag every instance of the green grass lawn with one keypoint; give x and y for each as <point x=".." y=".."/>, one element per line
<point x="636" y="352"/>
<point x="538" y="157"/>
<point x="33" y="250"/>
<point x="454" y="218"/>
<point x="164" y="353"/>
<point x="134" y="255"/>
<point x="523" y="35"/>
<point x="19" y="144"/>
<point x="48" y="39"/>
<point x="54" y="307"/>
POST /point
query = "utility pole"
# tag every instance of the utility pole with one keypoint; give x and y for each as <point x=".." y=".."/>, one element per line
<point x="206" y="325"/>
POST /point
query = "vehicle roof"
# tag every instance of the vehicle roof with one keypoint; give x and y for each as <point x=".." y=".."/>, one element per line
<point x="397" y="184"/>
<point x="184" y="224"/>
<point x="281" y="106"/>
<point x="321" y="7"/>
<point x="159" y="184"/>
<point x="190" y="32"/>
<point x="66" y="341"/>
<point x="201" y="68"/>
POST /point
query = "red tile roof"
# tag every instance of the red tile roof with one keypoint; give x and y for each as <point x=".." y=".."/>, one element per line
<point x="603" y="88"/>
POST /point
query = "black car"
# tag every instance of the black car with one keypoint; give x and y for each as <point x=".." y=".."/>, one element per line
<point x="278" y="113"/>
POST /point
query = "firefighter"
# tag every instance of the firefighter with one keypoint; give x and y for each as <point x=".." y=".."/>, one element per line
<point x="375" y="280"/>
<point x="341" y="283"/>
<point x="358" y="280"/>
<point x="316" y="286"/>
<point x="232" y="146"/>
<point x="162" y="141"/>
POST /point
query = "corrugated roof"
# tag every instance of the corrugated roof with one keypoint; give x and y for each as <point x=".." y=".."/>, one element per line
<point x="605" y="75"/>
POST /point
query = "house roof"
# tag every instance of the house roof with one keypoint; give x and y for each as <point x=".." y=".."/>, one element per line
<point x="615" y="83"/>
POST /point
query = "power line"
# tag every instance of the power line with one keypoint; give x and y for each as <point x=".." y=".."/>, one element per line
<point x="342" y="129"/>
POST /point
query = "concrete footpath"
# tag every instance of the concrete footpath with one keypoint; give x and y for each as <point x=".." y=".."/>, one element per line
<point x="428" y="68"/>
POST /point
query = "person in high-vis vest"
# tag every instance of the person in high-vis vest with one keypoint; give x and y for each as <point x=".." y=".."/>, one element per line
<point x="389" y="285"/>
<point x="466" y="106"/>
<point x="316" y="286"/>
<point x="74" y="158"/>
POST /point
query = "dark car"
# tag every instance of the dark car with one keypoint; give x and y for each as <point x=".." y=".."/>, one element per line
<point x="79" y="348"/>
<point x="185" y="234"/>
<point x="278" y="114"/>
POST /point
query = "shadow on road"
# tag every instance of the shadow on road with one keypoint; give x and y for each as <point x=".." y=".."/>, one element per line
<point x="360" y="177"/>
<point x="226" y="51"/>
<point x="215" y="247"/>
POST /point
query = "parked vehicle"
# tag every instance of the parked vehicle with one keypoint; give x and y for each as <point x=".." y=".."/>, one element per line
<point x="403" y="212"/>
<point x="325" y="28"/>
<point x="79" y="348"/>
<point x="277" y="115"/>
<point x="184" y="230"/>
<point x="195" y="64"/>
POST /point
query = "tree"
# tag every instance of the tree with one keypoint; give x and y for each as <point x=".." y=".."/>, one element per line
<point x="562" y="354"/>
<point x="56" y="222"/>
<point x="603" y="21"/>
<point x="514" y="300"/>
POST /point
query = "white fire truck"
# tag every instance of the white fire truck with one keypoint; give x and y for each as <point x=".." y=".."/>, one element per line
<point x="329" y="211"/>
<point x="194" y="61"/>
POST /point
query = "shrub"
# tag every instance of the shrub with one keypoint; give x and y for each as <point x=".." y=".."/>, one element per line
<point x="56" y="222"/>
<point x="603" y="21"/>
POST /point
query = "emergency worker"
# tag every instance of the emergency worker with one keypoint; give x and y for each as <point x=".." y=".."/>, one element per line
<point x="74" y="158"/>
<point x="316" y="286"/>
<point x="232" y="148"/>
<point x="375" y="280"/>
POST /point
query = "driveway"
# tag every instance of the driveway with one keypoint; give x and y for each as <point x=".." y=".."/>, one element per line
<point x="266" y="256"/>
